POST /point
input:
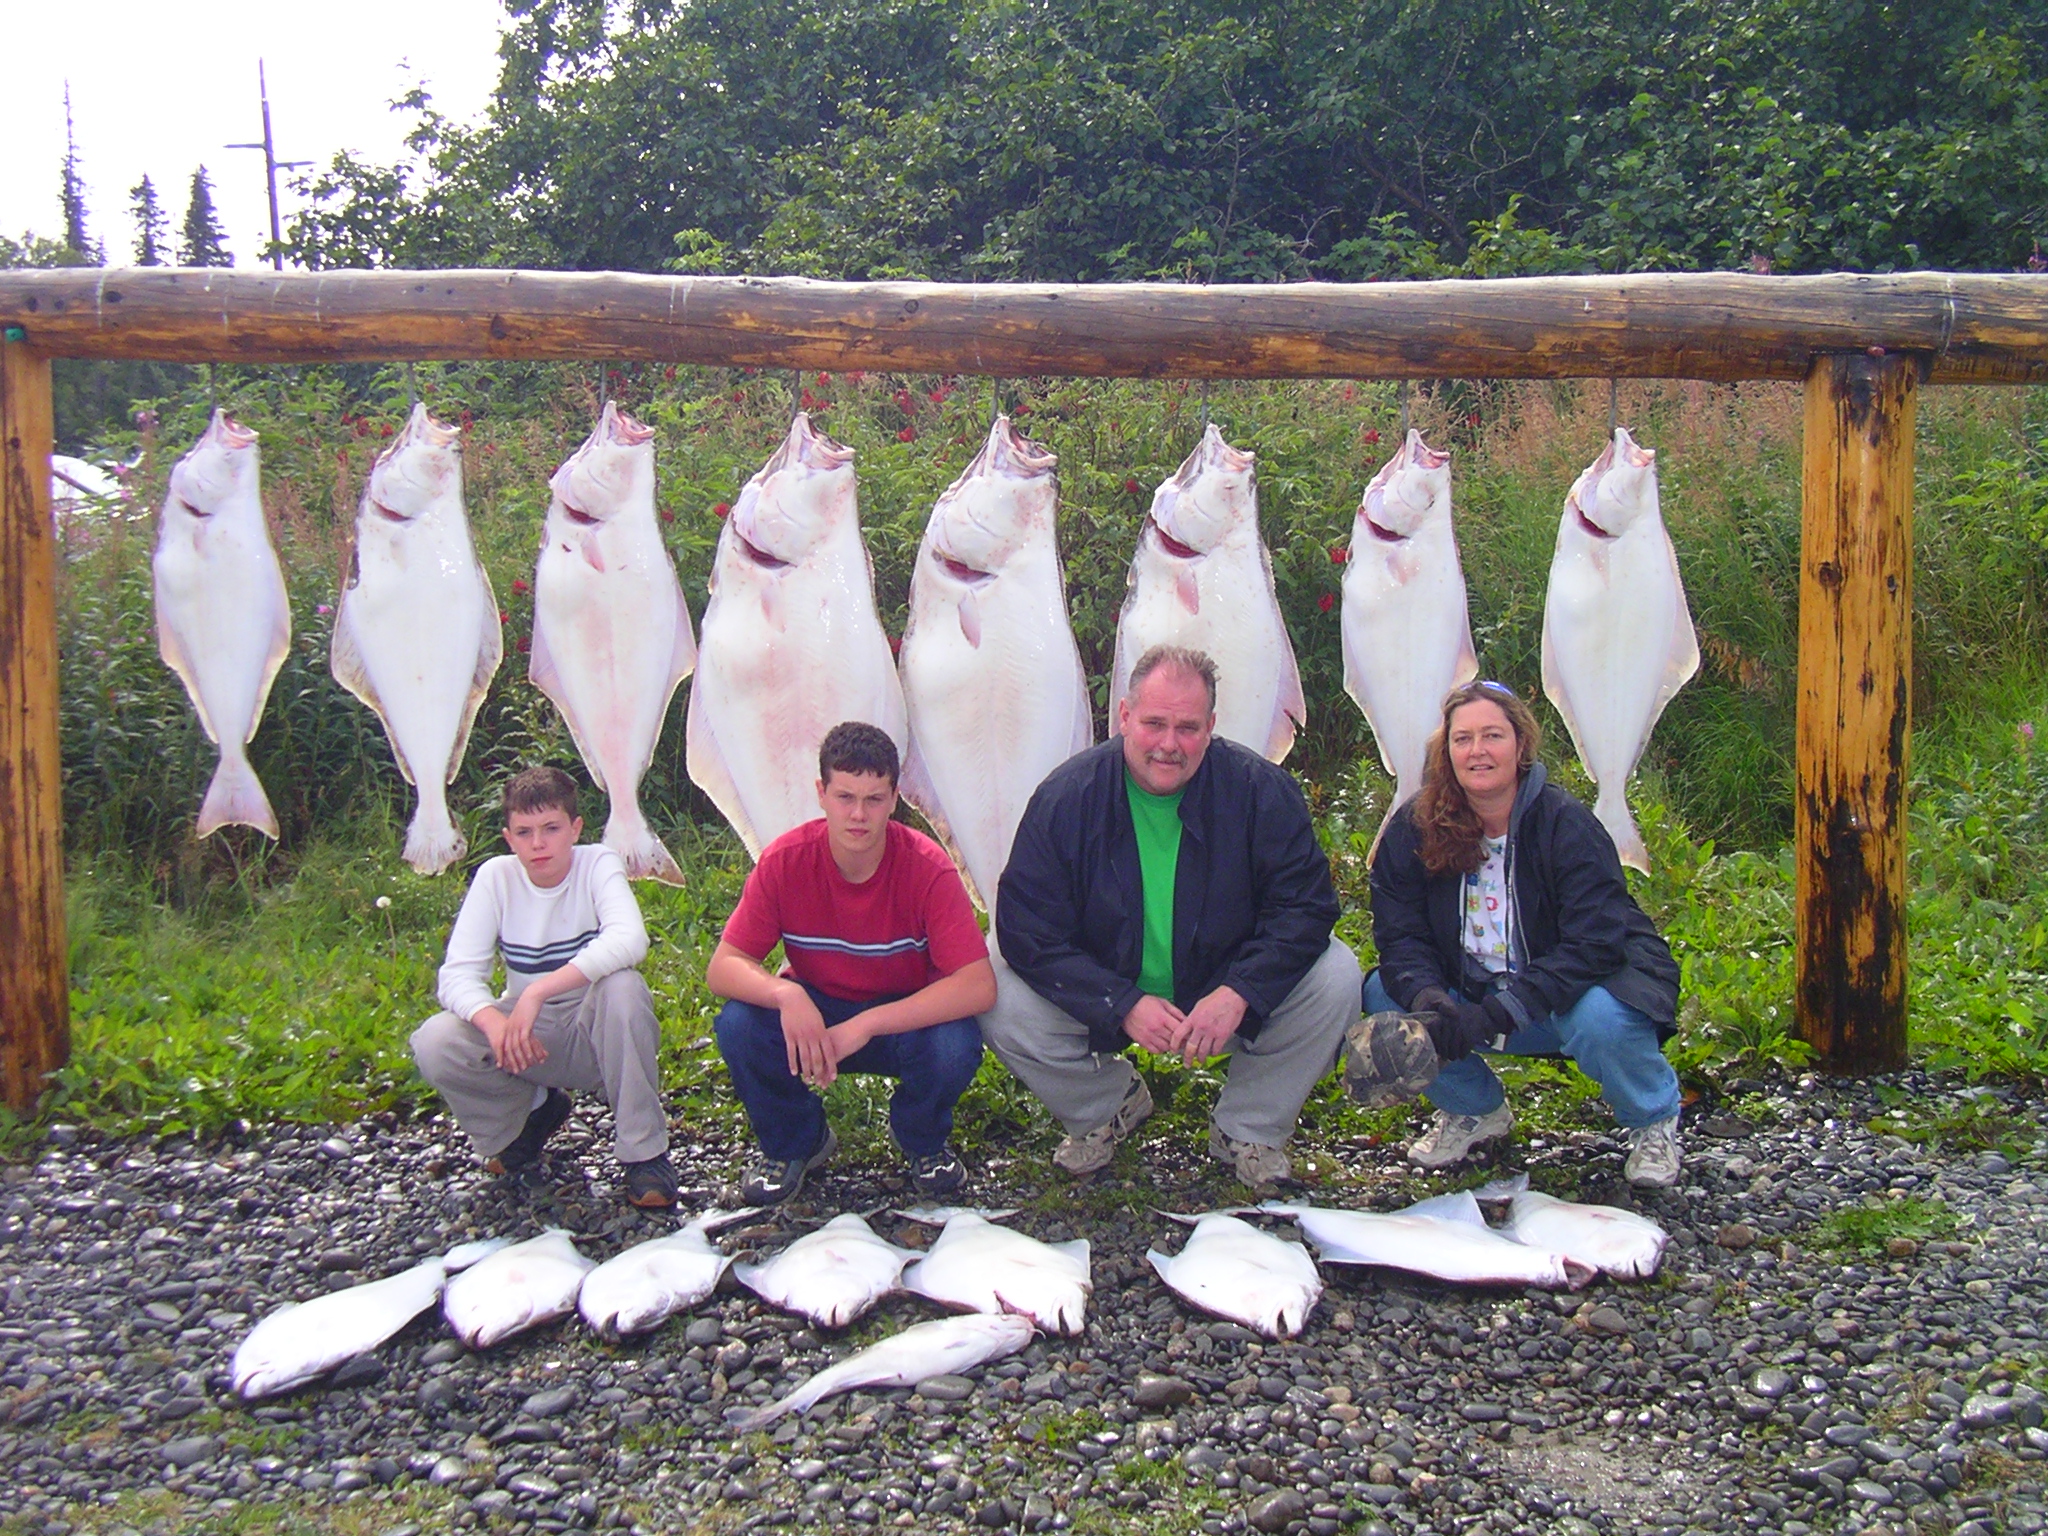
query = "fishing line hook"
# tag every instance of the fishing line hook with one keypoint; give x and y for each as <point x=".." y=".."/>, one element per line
<point x="1404" y="410"/>
<point x="995" y="402"/>
<point x="1205" y="407"/>
<point x="1613" y="407"/>
<point x="796" y="393"/>
<point x="212" y="393"/>
<point x="604" y="382"/>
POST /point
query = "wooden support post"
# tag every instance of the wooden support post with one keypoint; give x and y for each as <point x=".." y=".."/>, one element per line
<point x="1855" y="701"/>
<point x="35" y="1027"/>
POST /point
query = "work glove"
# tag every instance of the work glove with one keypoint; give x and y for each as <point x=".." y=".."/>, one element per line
<point x="1457" y="1027"/>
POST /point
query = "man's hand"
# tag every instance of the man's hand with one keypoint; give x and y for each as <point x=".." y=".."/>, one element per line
<point x="1210" y="1026"/>
<point x="513" y="1045"/>
<point x="806" y="1039"/>
<point x="1156" y="1025"/>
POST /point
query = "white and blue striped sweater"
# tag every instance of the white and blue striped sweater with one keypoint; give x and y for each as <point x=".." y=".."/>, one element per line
<point x="590" y="919"/>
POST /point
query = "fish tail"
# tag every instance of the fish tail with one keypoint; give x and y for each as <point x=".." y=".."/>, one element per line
<point x="433" y="841"/>
<point x="235" y="798"/>
<point x="640" y="850"/>
<point x="1611" y="807"/>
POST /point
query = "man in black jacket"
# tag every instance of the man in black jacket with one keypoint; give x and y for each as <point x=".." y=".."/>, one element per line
<point x="1166" y="888"/>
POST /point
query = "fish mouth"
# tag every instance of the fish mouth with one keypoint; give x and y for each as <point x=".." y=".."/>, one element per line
<point x="1174" y="546"/>
<point x="1588" y="524"/>
<point x="192" y="510"/>
<point x="1384" y="535"/>
<point x="388" y="515"/>
<point x="961" y="571"/>
<point x="757" y="554"/>
<point x="576" y="515"/>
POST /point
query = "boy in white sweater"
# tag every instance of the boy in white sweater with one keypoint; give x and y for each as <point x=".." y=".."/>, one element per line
<point x="575" y="1014"/>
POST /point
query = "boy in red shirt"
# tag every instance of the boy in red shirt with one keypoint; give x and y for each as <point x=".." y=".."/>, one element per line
<point x="886" y="967"/>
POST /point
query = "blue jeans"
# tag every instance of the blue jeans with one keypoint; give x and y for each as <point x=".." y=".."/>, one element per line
<point x="1613" y="1044"/>
<point x="933" y="1067"/>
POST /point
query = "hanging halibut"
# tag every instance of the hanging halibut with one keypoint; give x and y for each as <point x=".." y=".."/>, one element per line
<point x="1617" y="637"/>
<point x="223" y="623"/>
<point x="792" y="644"/>
<point x="611" y="635"/>
<point x="993" y="681"/>
<point x="416" y="633"/>
<point x="1407" y="640"/>
<point x="1202" y="578"/>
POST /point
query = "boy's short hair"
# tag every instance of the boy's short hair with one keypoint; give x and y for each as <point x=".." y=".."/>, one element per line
<point x="539" y="789"/>
<point x="854" y="746"/>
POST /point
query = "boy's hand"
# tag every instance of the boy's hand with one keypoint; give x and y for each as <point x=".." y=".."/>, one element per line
<point x="806" y="1040"/>
<point x="848" y="1038"/>
<point x="513" y="1045"/>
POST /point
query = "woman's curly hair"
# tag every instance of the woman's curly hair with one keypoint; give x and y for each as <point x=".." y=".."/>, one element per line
<point x="1450" y="837"/>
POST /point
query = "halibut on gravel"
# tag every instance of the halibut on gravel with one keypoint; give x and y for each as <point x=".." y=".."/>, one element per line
<point x="1446" y="1238"/>
<point x="1230" y="1268"/>
<point x="979" y="1265"/>
<point x="1620" y="1243"/>
<point x="942" y="1348"/>
<point x="832" y="1275"/>
<point x="611" y="634"/>
<point x="792" y="642"/>
<point x="223" y="621"/>
<point x="991" y="676"/>
<point x="1202" y="577"/>
<point x="1618" y="640"/>
<point x="416" y="633"/>
<point x="515" y="1289"/>
<point x="649" y="1283"/>
<point x="298" y="1343"/>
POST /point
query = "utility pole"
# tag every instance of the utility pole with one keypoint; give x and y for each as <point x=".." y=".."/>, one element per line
<point x="271" y="166"/>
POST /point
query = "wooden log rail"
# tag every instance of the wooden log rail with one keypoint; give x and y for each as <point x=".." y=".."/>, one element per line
<point x="1861" y="345"/>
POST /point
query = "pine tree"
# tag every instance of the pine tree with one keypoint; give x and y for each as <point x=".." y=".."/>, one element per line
<point x="77" y="241"/>
<point x="206" y="244"/>
<point x="150" y="224"/>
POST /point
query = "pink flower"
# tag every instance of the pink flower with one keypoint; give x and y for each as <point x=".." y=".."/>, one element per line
<point x="1339" y="554"/>
<point x="1326" y="602"/>
<point x="323" y="608"/>
<point x="1372" y="434"/>
<point x="519" y="586"/>
<point x="721" y="509"/>
<point x="907" y="435"/>
<point x="1131" y="485"/>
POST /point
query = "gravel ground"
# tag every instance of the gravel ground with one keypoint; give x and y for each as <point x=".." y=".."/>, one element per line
<point x="1763" y="1382"/>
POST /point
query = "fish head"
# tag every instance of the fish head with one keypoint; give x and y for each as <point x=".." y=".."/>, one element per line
<point x="219" y="473"/>
<point x="1411" y="488"/>
<point x="1002" y="501"/>
<point x="1615" y="491"/>
<point x="612" y="472"/>
<point x="421" y="467"/>
<point x="1213" y="495"/>
<point x="795" y="501"/>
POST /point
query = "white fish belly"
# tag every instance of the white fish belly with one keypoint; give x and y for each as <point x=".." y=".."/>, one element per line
<point x="1424" y="1245"/>
<point x="297" y="1344"/>
<point x="1620" y="1243"/>
<point x="941" y="1348"/>
<point x="1608" y="623"/>
<point x="1237" y="622"/>
<point x="225" y="606"/>
<point x="516" y="1288"/>
<point x="1407" y="643"/>
<point x="649" y="1283"/>
<point x="611" y="637"/>
<point x="778" y="666"/>
<point x="1230" y="1268"/>
<point x="832" y="1275"/>
<point x="993" y="1269"/>
<point x="989" y="722"/>
<point x="419" y="617"/>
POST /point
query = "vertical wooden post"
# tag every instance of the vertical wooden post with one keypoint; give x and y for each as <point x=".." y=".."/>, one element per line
<point x="35" y="1026"/>
<point x="1855" y="700"/>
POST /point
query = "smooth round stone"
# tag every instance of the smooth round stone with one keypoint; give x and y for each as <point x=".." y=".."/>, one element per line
<point x="1154" y="1391"/>
<point x="359" y="1372"/>
<point x="945" y="1389"/>
<point x="1771" y="1382"/>
<point x="548" y="1404"/>
<point x="703" y="1331"/>
<point x="1275" y="1511"/>
<point x="190" y="1452"/>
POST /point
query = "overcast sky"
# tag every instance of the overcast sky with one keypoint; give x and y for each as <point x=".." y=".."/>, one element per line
<point x="158" y="88"/>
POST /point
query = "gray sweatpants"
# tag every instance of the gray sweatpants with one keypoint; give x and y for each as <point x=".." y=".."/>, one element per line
<point x="1270" y="1076"/>
<point x="600" y="1040"/>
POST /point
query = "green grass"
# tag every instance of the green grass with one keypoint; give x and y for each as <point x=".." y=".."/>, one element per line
<point x="1866" y="1228"/>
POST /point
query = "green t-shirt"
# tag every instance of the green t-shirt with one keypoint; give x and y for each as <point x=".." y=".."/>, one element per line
<point x="1156" y="818"/>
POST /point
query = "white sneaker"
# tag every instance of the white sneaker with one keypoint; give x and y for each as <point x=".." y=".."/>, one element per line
<point x="1451" y="1138"/>
<point x="1653" y="1155"/>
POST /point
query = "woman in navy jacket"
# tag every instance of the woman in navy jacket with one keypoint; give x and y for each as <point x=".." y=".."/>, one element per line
<point x="1502" y="918"/>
